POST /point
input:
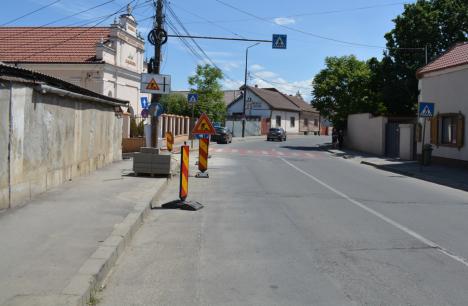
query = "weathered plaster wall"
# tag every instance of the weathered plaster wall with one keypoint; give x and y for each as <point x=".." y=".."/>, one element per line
<point x="55" y="139"/>
<point x="4" y="132"/>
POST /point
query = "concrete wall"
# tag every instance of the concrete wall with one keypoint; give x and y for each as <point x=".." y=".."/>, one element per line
<point x="366" y="133"/>
<point x="4" y="140"/>
<point x="252" y="127"/>
<point x="449" y="91"/>
<point x="54" y="139"/>
<point x="406" y="141"/>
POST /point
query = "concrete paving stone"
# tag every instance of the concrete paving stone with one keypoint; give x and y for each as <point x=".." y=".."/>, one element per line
<point x="41" y="300"/>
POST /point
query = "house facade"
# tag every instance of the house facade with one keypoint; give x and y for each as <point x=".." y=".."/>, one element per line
<point x="444" y="82"/>
<point x="309" y="117"/>
<point x="106" y="60"/>
<point x="269" y="105"/>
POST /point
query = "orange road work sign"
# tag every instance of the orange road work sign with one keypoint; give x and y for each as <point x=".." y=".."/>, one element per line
<point x="169" y="141"/>
<point x="152" y="85"/>
<point x="203" y="154"/>
<point x="184" y="172"/>
<point x="203" y="126"/>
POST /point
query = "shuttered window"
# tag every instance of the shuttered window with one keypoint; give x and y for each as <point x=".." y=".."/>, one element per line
<point x="448" y="130"/>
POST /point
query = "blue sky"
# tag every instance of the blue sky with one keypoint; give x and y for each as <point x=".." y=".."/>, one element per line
<point x="358" y="21"/>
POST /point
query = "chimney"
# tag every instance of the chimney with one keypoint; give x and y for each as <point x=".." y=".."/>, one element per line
<point x="256" y="86"/>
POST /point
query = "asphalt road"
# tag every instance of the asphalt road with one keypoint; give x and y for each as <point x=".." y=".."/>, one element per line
<point x="288" y="224"/>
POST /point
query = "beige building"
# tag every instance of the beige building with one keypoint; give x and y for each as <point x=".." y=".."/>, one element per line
<point x="106" y="60"/>
<point x="444" y="83"/>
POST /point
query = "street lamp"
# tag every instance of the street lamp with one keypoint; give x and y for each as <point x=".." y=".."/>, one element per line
<point x="245" y="86"/>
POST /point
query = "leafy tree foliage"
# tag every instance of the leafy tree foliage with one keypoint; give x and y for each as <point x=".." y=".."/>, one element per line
<point x="344" y="88"/>
<point x="210" y="96"/>
<point x="176" y="104"/>
<point x="437" y="24"/>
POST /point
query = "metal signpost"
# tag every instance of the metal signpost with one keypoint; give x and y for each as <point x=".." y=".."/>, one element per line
<point x="425" y="110"/>
<point x="192" y="98"/>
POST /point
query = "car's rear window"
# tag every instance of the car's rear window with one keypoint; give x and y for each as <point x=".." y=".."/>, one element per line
<point x="219" y="130"/>
<point x="274" y="130"/>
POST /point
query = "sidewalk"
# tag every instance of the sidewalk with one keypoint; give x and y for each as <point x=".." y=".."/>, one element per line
<point x="439" y="174"/>
<point x="57" y="248"/>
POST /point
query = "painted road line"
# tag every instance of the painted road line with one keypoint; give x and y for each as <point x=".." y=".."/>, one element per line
<point x="234" y="150"/>
<point x="249" y="151"/>
<point x="218" y="150"/>
<point x="265" y="153"/>
<point x="401" y="227"/>
<point x="311" y="155"/>
<point x="279" y="153"/>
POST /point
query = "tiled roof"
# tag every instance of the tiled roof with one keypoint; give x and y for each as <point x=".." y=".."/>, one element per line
<point x="274" y="98"/>
<point x="304" y="106"/>
<point x="455" y="56"/>
<point x="50" y="44"/>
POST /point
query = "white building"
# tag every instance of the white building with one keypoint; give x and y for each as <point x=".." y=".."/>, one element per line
<point x="106" y="60"/>
<point x="445" y="83"/>
<point x="270" y="105"/>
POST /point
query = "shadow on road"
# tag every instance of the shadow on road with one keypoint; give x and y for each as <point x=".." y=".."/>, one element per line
<point x="323" y="147"/>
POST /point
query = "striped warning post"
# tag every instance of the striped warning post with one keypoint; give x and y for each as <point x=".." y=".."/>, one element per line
<point x="184" y="172"/>
<point x="203" y="154"/>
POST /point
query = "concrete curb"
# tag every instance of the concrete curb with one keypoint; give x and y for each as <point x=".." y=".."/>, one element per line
<point x="388" y="168"/>
<point x="86" y="282"/>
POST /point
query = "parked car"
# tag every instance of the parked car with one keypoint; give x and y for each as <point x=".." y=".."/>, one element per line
<point x="276" y="134"/>
<point x="223" y="135"/>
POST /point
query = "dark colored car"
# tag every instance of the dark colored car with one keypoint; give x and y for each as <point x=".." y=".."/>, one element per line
<point x="223" y="135"/>
<point x="276" y="134"/>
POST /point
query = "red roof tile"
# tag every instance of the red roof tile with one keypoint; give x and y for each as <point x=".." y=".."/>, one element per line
<point x="455" y="56"/>
<point x="50" y="45"/>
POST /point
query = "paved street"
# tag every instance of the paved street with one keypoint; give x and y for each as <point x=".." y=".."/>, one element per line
<point x="287" y="224"/>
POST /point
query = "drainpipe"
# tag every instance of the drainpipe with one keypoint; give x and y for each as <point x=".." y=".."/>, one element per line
<point x="10" y="134"/>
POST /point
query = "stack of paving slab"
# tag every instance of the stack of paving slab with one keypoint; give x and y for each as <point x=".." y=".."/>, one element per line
<point x="152" y="161"/>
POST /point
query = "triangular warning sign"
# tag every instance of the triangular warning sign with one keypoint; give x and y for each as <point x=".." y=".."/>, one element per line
<point x="204" y="126"/>
<point x="279" y="42"/>
<point x="152" y="85"/>
<point x="426" y="112"/>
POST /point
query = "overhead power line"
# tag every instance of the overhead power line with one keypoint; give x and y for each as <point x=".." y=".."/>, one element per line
<point x="309" y="33"/>
<point x="308" y="14"/>
<point x="30" y="13"/>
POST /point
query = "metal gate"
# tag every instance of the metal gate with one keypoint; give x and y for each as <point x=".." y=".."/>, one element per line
<point x="392" y="140"/>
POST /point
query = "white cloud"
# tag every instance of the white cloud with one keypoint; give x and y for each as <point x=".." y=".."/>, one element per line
<point x="256" y="67"/>
<point x="284" y="20"/>
<point x="231" y="84"/>
<point x="267" y="79"/>
<point x="219" y="53"/>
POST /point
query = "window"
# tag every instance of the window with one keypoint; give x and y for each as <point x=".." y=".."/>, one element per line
<point x="292" y="122"/>
<point x="278" y="120"/>
<point x="315" y="122"/>
<point x="449" y="130"/>
<point x="306" y="122"/>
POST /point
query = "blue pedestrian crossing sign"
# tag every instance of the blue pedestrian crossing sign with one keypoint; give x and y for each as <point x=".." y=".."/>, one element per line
<point x="279" y="41"/>
<point x="192" y="98"/>
<point x="144" y="102"/>
<point x="426" y="110"/>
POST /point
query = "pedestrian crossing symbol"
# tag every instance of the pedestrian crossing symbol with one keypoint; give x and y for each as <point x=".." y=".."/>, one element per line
<point x="192" y="98"/>
<point x="152" y="85"/>
<point x="279" y="41"/>
<point x="426" y="110"/>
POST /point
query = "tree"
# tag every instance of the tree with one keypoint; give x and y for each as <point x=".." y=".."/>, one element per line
<point x="176" y="104"/>
<point x="210" y="96"/>
<point x="343" y="88"/>
<point x="439" y="24"/>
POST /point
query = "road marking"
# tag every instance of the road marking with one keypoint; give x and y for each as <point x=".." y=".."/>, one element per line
<point x="279" y="153"/>
<point x="264" y="152"/>
<point x="401" y="227"/>
<point x="218" y="150"/>
<point x="234" y="151"/>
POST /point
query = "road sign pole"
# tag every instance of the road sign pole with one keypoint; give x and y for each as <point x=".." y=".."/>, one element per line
<point x="422" y="145"/>
<point x="192" y="120"/>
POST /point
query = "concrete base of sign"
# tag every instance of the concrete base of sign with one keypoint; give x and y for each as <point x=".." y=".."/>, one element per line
<point x="183" y="205"/>
<point x="152" y="161"/>
<point x="202" y="175"/>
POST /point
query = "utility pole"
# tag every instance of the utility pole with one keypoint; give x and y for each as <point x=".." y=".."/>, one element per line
<point x="245" y="87"/>
<point x="156" y="67"/>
